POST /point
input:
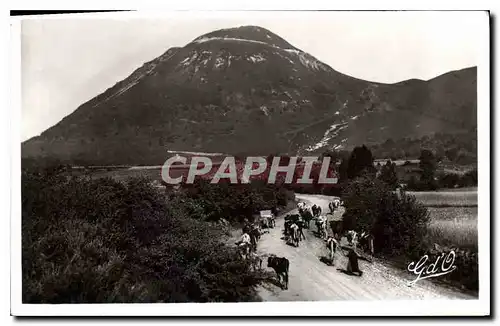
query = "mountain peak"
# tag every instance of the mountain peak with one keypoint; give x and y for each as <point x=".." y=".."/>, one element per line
<point x="248" y="33"/>
<point x="246" y="90"/>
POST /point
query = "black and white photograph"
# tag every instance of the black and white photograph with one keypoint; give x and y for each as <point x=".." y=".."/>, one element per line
<point x="311" y="157"/>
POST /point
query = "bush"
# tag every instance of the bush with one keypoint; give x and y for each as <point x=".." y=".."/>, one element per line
<point x="467" y="272"/>
<point x="400" y="227"/>
<point x="398" y="222"/>
<point x="469" y="179"/>
<point x="449" y="180"/>
<point x="231" y="202"/>
<point x="101" y="241"/>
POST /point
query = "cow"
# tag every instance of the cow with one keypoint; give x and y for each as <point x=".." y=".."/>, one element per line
<point x="271" y="221"/>
<point x="245" y="238"/>
<point x="289" y="220"/>
<point x="366" y="242"/>
<point x="294" y="234"/>
<point x="337" y="229"/>
<point x="281" y="266"/>
<point x="321" y="225"/>
<point x="333" y="205"/>
<point x="307" y="215"/>
<point x="352" y="238"/>
<point x="254" y="234"/>
<point x="255" y="261"/>
<point x="244" y="245"/>
<point x="301" y="224"/>
<point x="316" y="210"/>
<point x="332" y="245"/>
<point x="264" y="222"/>
<point x="287" y="227"/>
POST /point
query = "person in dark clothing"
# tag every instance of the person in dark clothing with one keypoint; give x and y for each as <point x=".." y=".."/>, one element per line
<point x="352" y="262"/>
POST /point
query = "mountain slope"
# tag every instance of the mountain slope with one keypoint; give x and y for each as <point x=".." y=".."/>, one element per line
<point x="247" y="91"/>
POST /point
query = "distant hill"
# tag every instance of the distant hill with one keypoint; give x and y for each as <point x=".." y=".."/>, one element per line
<point x="248" y="91"/>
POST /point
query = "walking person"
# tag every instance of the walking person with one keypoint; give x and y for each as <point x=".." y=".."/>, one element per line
<point x="352" y="262"/>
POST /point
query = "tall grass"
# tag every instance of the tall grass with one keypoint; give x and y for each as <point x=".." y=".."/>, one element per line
<point x="446" y="198"/>
<point x="454" y="226"/>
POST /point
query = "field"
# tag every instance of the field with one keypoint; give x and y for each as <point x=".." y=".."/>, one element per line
<point x="454" y="226"/>
<point x="453" y="198"/>
<point x="454" y="216"/>
<point x="123" y="174"/>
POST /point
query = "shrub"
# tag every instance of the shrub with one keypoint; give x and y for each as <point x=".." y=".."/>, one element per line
<point x="469" y="179"/>
<point x="398" y="222"/>
<point x="449" y="180"/>
<point x="234" y="202"/>
<point x="100" y="241"/>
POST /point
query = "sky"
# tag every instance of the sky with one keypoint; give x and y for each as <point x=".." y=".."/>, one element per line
<point x="67" y="61"/>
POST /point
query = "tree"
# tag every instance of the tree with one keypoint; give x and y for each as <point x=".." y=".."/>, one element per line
<point x="388" y="174"/>
<point x="360" y="161"/>
<point x="428" y="169"/>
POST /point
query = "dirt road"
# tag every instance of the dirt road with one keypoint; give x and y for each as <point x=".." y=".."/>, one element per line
<point x="312" y="280"/>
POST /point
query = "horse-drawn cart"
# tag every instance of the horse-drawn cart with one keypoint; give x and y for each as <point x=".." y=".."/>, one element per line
<point x="267" y="219"/>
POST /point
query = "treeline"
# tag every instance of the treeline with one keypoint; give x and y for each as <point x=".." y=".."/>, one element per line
<point x="458" y="148"/>
<point x="87" y="240"/>
<point x="426" y="175"/>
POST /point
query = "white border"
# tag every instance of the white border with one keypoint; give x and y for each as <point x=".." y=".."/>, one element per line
<point x="336" y="308"/>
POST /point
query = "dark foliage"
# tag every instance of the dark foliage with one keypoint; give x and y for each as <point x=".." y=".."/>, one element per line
<point x="233" y="203"/>
<point x="467" y="272"/>
<point x="458" y="148"/>
<point x="388" y="175"/>
<point x="360" y="161"/>
<point x="398" y="222"/>
<point x="101" y="241"/>
<point x="428" y="166"/>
